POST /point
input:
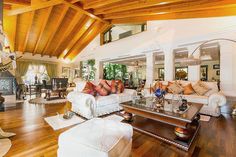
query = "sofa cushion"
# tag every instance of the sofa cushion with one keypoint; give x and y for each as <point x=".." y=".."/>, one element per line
<point x="175" y="88"/>
<point x="200" y="88"/>
<point x="107" y="100"/>
<point x="190" y="98"/>
<point x="213" y="88"/>
<point x="117" y="86"/>
<point x="89" y="89"/>
<point x="156" y="85"/>
<point x="103" y="88"/>
<point x="188" y="89"/>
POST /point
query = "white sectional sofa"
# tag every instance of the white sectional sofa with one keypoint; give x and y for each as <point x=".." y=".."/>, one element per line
<point x="89" y="106"/>
<point x="212" y="100"/>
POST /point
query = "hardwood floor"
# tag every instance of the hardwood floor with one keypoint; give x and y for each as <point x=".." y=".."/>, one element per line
<point x="35" y="137"/>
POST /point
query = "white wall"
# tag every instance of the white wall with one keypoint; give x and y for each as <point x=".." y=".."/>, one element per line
<point x="169" y="34"/>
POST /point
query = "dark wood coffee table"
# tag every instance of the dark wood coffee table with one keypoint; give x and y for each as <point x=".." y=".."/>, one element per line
<point x="162" y="124"/>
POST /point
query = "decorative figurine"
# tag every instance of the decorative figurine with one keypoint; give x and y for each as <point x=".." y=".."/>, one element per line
<point x="184" y="105"/>
<point x="159" y="93"/>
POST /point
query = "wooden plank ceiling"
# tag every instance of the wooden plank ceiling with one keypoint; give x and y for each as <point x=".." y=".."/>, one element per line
<point x="63" y="28"/>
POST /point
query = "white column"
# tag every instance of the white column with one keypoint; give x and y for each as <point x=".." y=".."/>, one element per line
<point x="194" y="70"/>
<point x="227" y="66"/>
<point x="99" y="70"/>
<point x="168" y="63"/>
<point x="150" y="68"/>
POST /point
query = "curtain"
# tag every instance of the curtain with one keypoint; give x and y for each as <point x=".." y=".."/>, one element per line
<point x="51" y="70"/>
<point x="21" y="70"/>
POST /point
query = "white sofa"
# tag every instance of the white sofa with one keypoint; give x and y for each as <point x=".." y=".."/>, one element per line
<point x="89" y="106"/>
<point x="212" y="100"/>
<point x="96" y="138"/>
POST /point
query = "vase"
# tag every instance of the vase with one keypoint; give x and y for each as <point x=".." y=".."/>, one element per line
<point x="128" y="116"/>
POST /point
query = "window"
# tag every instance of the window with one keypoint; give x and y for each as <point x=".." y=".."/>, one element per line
<point x="113" y="71"/>
<point x="122" y="31"/>
<point x="35" y="74"/>
<point x="88" y="70"/>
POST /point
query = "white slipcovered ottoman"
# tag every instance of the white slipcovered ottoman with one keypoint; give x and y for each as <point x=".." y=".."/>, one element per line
<point x="96" y="138"/>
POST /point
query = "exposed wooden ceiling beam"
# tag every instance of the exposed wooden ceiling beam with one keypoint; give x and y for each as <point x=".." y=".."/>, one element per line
<point x="81" y="10"/>
<point x="40" y="36"/>
<point x="74" y="1"/>
<point x="7" y="6"/>
<point x="81" y="29"/>
<point x="18" y="2"/>
<point x="34" y="7"/>
<point x="99" y="3"/>
<point x="79" y="47"/>
<point x="87" y="32"/>
<point x="55" y="28"/>
<point x="28" y="31"/>
<point x="227" y="11"/>
<point x="69" y="29"/>
<point x="189" y="6"/>
<point x="130" y="5"/>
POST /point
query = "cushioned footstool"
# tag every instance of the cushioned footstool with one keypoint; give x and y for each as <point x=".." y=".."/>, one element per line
<point x="96" y="138"/>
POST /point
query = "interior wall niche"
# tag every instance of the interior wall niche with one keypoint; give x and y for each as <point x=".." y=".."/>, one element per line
<point x="210" y="62"/>
<point x="159" y="66"/>
<point x="181" y="72"/>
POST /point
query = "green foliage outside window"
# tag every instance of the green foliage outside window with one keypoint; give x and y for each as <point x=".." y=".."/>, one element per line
<point x="113" y="71"/>
<point x="88" y="70"/>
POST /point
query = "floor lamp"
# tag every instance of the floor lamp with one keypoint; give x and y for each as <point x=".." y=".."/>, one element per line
<point x="189" y="61"/>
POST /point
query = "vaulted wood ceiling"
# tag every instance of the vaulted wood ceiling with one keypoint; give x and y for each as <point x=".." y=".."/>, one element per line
<point x="63" y="28"/>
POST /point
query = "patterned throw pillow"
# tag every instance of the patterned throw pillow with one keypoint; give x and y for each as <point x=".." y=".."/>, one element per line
<point x="103" y="88"/>
<point x="117" y="86"/>
<point x="188" y="89"/>
<point x="89" y="89"/>
<point x="200" y="88"/>
<point x="175" y="88"/>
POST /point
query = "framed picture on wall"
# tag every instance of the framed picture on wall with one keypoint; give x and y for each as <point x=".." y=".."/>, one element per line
<point x="181" y="73"/>
<point x="216" y="66"/>
<point x="66" y="72"/>
<point x="204" y="73"/>
<point x="218" y="72"/>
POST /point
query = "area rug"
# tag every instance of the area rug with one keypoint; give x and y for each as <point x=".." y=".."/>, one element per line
<point x="114" y="117"/>
<point x="44" y="101"/>
<point x="5" y="145"/>
<point x="205" y="118"/>
<point x="57" y="122"/>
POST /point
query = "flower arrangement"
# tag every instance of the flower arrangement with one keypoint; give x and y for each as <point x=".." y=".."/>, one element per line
<point x="159" y="93"/>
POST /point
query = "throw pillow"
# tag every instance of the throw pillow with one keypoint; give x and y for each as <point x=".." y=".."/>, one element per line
<point x="89" y="89"/>
<point x="117" y="86"/>
<point x="103" y="88"/>
<point x="188" y="89"/>
<point x="200" y="88"/>
<point x="156" y="86"/>
<point x="175" y="88"/>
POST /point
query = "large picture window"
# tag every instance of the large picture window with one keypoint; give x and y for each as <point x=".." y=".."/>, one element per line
<point x="35" y="72"/>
